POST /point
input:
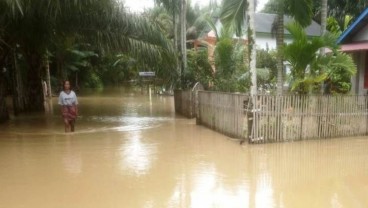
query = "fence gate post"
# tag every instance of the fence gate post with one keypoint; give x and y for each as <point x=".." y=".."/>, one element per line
<point x="248" y="107"/>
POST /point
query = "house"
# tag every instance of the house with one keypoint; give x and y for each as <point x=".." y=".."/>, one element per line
<point x="265" y="39"/>
<point x="354" y="40"/>
<point x="263" y="26"/>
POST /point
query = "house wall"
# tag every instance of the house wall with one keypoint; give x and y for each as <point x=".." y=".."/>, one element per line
<point x="266" y="41"/>
<point x="362" y="35"/>
<point x="358" y="79"/>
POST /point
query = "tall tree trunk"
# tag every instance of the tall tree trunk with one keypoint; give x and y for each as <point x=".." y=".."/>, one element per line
<point x="280" y="64"/>
<point x="48" y="78"/>
<point x="34" y="85"/>
<point x="253" y="125"/>
<point x="4" y="115"/>
<point x="323" y="18"/>
<point x="175" y="24"/>
<point x="323" y="31"/>
<point x="176" y="21"/>
<point x="183" y="39"/>
<point x="19" y="99"/>
<point x="279" y="46"/>
<point x="252" y="48"/>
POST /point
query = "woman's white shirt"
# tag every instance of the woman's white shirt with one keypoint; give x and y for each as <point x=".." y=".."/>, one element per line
<point x="68" y="99"/>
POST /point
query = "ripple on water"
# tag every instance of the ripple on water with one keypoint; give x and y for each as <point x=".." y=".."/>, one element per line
<point x="109" y="124"/>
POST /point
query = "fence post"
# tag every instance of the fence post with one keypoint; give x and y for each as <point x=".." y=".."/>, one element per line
<point x="194" y="93"/>
<point x="197" y="106"/>
<point x="248" y="108"/>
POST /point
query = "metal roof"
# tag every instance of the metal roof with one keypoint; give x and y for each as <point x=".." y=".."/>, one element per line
<point x="263" y="24"/>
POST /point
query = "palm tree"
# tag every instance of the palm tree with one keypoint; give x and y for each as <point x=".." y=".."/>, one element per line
<point x="34" y="25"/>
<point x="233" y="14"/>
<point x="309" y="69"/>
<point x="302" y="13"/>
<point x="190" y="21"/>
<point x="178" y="8"/>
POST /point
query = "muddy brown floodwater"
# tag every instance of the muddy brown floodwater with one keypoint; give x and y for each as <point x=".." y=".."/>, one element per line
<point x="131" y="150"/>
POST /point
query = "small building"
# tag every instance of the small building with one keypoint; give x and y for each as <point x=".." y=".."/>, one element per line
<point x="354" y="40"/>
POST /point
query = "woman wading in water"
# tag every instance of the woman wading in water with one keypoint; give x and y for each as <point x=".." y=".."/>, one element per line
<point x="68" y="101"/>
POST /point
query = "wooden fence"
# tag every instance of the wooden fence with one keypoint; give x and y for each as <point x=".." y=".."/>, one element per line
<point x="266" y="118"/>
<point x="223" y="112"/>
<point x="287" y="118"/>
<point x="186" y="101"/>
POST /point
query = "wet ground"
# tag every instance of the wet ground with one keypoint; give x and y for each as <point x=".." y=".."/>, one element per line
<point x="131" y="150"/>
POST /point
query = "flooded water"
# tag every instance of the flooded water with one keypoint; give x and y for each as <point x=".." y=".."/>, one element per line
<point x="131" y="150"/>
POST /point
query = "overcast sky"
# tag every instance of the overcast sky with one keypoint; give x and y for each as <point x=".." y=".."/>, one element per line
<point x="139" y="5"/>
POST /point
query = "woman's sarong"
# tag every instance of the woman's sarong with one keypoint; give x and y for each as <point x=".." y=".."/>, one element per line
<point x="69" y="112"/>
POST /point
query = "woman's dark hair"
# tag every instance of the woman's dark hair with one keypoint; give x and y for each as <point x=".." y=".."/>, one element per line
<point x="64" y="84"/>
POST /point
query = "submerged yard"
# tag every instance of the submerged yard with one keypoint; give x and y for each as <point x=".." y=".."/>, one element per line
<point x="135" y="152"/>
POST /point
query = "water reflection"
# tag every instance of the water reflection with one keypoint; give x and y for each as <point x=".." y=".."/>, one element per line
<point x="209" y="190"/>
<point x="72" y="159"/>
<point x="49" y="106"/>
<point x="264" y="191"/>
<point x="136" y="155"/>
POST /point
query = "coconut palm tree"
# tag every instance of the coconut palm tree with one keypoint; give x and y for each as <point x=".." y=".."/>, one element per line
<point x="178" y="8"/>
<point x="190" y="22"/>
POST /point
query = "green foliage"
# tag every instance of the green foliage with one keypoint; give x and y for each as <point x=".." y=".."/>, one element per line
<point x="160" y="17"/>
<point x="38" y="25"/>
<point x="199" y="69"/>
<point x="75" y="59"/>
<point x="231" y="65"/>
<point x="301" y="10"/>
<point x="334" y="27"/>
<point x="340" y="10"/>
<point x="233" y="13"/>
<point x="196" y="25"/>
<point x="310" y="69"/>
<point x="93" y="80"/>
<point x="339" y="68"/>
<point x="224" y="58"/>
<point x="266" y="60"/>
<point x="114" y="72"/>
